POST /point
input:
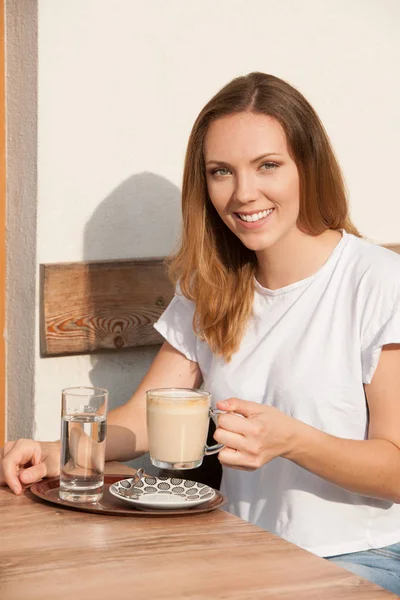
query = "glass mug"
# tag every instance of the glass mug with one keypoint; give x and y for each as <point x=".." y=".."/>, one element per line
<point x="177" y="427"/>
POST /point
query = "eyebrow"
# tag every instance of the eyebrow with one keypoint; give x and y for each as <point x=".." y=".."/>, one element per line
<point x="254" y="160"/>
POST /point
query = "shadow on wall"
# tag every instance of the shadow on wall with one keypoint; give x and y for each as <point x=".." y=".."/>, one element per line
<point x="139" y="219"/>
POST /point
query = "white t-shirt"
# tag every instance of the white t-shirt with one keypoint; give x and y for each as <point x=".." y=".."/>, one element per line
<point x="307" y="350"/>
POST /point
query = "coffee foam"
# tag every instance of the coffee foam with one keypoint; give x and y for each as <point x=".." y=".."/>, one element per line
<point x="178" y="394"/>
<point x="181" y="405"/>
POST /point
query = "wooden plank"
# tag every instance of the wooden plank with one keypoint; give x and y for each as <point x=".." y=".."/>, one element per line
<point x="72" y="554"/>
<point x="106" y="305"/>
<point x="109" y="305"/>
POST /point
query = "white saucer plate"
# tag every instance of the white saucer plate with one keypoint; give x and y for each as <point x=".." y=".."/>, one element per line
<point x="163" y="492"/>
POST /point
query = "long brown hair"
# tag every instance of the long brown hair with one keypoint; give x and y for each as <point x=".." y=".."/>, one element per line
<point x="213" y="267"/>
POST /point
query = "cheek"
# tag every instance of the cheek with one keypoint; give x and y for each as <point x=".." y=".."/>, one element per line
<point x="219" y="196"/>
<point x="288" y="192"/>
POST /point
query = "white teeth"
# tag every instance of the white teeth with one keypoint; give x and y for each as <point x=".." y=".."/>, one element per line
<point x="256" y="216"/>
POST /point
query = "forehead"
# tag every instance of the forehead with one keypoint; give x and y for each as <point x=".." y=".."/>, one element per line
<point x="243" y="135"/>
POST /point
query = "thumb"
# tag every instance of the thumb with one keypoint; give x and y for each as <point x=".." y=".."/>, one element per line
<point x="33" y="474"/>
<point x="240" y="407"/>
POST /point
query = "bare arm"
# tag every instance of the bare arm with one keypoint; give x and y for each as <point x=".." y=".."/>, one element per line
<point x="26" y="461"/>
<point x="369" y="467"/>
<point x="126" y="433"/>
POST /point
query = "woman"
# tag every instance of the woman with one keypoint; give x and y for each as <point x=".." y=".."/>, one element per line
<point x="291" y="321"/>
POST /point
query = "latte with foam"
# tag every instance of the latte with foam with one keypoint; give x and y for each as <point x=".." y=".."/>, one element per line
<point x="177" y="426"/>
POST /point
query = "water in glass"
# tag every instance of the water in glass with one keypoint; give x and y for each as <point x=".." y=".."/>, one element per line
<point x="82" y="457"/>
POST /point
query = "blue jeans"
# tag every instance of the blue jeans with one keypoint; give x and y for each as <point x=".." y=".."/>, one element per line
<point x="381" y="566"/>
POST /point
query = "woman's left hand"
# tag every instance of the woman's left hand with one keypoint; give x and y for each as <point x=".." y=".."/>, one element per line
<point x="251" y="442"/>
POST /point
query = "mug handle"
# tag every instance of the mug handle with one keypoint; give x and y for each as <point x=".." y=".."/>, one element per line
<point x="209" y="450"/>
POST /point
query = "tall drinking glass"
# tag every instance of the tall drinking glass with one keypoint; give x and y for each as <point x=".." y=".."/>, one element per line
<point x="83" y="443"/>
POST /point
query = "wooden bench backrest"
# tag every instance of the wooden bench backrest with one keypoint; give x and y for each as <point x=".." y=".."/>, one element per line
<point x="108" y="305"/>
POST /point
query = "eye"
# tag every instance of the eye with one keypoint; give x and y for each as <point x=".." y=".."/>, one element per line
<point x="220" y="172"/>
<point x="268" y="166"/>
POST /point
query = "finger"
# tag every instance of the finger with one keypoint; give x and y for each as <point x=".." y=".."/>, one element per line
<point x="3" y="452"/>
<point x="231" y="440"/>
<point x="19" y="455"/>
<point x="37" y="455"/>
<point x="8" y="446"/>
<point x="235" y="459"/>
<point x="33" y="474"/>
<point x="235" y="423"/>
<point x="242" y="407"/>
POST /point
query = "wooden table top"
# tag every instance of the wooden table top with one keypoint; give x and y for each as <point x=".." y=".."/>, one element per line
<point x="47" y="552"/>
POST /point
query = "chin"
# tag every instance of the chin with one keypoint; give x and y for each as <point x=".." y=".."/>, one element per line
<point x="258" y="245"/>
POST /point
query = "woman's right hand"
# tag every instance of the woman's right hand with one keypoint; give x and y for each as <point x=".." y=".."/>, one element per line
<point x="25" y="461"/>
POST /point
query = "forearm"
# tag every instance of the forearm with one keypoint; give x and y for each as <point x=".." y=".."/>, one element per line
<point x="367" y="467"/>
<point x="126" y="433"/>
<point x="127" y="430"/>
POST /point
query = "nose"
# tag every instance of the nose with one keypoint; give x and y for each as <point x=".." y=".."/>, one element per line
<point x="245" y="188"/>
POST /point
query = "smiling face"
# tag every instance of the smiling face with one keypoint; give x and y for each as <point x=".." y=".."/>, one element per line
<point x="252" y="180"/>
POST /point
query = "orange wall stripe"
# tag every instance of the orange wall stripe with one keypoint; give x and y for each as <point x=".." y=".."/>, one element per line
<point x="2" y="229"/>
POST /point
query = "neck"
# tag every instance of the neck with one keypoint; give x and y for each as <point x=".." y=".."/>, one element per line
<point x="295" y="257"/>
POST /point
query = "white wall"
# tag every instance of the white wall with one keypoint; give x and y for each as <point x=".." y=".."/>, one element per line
<point x="120" y="83"/>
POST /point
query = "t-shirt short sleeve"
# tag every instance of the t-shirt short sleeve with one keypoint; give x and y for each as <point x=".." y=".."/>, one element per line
<point x="387" y="333"/>
<point x="379" y="307"/>
<point x="176" y="326"/>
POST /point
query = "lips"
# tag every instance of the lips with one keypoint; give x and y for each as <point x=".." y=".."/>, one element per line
<point x="255" y="219"/>
<point x="255" y="216"/>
